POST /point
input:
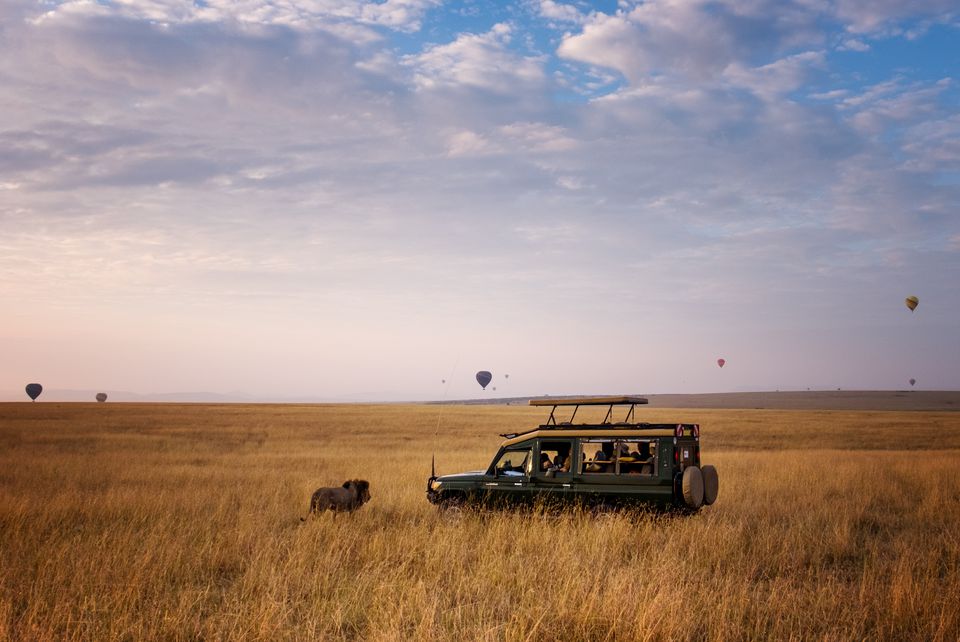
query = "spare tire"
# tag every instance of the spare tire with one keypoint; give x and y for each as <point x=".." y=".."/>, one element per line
<point x="711" y="484"/>
<point x="692" y="485"/>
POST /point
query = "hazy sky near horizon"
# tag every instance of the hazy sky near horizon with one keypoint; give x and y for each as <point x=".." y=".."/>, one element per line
<point x="355" y="200"/>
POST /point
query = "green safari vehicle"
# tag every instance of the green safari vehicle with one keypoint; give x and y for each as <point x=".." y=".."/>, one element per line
<point x="610" y="463"/>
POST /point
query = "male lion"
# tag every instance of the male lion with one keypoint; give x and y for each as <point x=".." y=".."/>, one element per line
<point x="352" y="495"/>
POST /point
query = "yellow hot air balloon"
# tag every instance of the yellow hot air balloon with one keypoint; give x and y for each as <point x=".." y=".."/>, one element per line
<point x="912" y="302"/>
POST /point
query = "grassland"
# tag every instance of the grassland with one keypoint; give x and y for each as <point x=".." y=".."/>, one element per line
<point x="143" y="522"/>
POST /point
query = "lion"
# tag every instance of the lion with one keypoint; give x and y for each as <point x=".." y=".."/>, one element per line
<point x="352" y="495"/>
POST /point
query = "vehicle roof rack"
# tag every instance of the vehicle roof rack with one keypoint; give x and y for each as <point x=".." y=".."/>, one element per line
<point x="606" y="427"/>
<point x="588" y="401"/>
<point x="576" y="402"/>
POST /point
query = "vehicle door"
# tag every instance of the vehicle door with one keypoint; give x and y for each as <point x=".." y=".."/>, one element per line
<point x="595" y="475"/>
<point x="508" y="479"/>
<point x="552" y="478"/>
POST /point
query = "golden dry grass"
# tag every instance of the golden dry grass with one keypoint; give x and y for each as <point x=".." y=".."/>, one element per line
<point x="181" y="522"/>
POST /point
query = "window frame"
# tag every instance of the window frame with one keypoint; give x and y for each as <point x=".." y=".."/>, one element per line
<point x="524" y="447"/>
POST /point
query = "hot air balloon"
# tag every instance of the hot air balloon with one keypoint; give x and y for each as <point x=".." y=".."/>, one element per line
<point x="483" y="378"/>
<point x="34" y="390"/>
<point x="720" y="362"/>
<point x="443" y="381"/>
<point x="506" y="376"/>
<point x="913" y="381"/>
<point x="912" y="302"/>
<point x="101" y="397"/>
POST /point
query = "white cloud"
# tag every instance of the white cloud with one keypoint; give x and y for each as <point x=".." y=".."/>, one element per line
<point x="519" y="138"/>
<point x="467" y="143"/>
<point x="695" y="39"/>
<point x="880" y="16"/>
<point x="606" y="41"/>
<point x="853" y="44"/>
<point x="538" y="137"/>
<point x="776" y="78"/>
<point x="892" y="101"/>
<point x="401" y="15"/>
<point x="833" y="94"/>
<point x="933" y="145"/>
<point x="481" y="61"/>
<point x="560" y="12"/>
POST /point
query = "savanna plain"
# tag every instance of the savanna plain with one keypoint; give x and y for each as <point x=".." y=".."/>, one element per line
<point x="182" y="522"/>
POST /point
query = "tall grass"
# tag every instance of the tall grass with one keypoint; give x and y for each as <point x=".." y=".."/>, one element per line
<point x="141" y="522"/>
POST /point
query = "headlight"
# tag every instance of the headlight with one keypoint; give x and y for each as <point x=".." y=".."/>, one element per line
<point x="435" y="485"/>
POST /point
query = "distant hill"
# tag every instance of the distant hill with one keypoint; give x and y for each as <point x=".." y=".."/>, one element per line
<point x="793" y="400"/>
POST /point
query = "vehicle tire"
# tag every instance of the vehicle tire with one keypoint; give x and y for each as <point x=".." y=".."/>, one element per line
<point x="711" y="484"/>
<point x="452" y="506"/>
<point x="692" y="487"/>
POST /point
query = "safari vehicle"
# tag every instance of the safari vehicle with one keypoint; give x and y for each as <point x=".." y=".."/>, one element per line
<point x="610" y="463"/>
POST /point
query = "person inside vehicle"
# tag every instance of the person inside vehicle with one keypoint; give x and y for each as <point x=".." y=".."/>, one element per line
<point x="646" y="459"/>
<point x="644" y="454"/>
<point x="602" y="457"/>
<point x="544" y="461"/>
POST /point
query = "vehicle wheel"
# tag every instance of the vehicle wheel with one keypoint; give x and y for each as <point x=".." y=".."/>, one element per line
<point x="693" y="487"/>
<point x="452" y="506"/>
<point x="711" y="484"/>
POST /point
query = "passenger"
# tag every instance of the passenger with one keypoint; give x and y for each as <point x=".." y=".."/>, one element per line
<point x="644" y="454"/>
<point x="544" y="461"/>
<point x="565" y="467"/>
<point x="593" y="466"/>
<point x="646" y="459"/>
<point x="558" y="461"/>
<point x="602" y="458"/>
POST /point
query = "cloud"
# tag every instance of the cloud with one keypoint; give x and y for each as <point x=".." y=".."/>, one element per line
<point x="560" y="12"/>
<point x="853" y="44"/>
<point x="479" y="61"/>
<point x="467" y="143"/>
<point x="777" y="78"/>
<point x="693" y="39"/>
<point x="879" y="16"/>
<point x="879" y="105"/>
<point x="401" y="15"/>
<point x="321" y="164"/>
<point x="933" y="145"/>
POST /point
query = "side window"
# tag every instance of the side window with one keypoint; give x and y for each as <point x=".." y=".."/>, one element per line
<point x="638" y="457"/>
<point x="514" y="463"/>
<point x="555" y="456"/>
<point x="597" y="456"/>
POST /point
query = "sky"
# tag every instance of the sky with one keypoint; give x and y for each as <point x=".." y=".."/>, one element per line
<point x="361" y="200"/>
